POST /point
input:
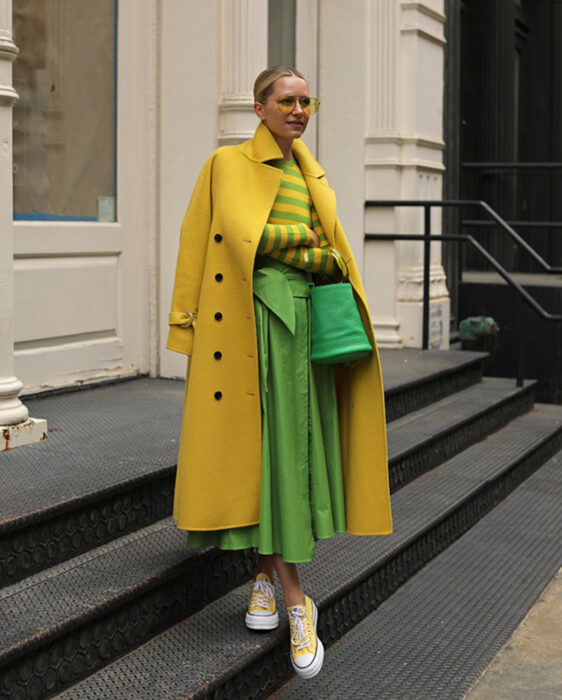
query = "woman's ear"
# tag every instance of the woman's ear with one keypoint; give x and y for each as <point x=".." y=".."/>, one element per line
<point x="258" y="109"/>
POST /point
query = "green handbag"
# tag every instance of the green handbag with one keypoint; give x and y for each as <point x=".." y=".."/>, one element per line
<point x="337" y="332"/>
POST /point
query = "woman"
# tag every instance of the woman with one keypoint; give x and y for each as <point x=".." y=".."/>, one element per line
<point x="274" y="452"/>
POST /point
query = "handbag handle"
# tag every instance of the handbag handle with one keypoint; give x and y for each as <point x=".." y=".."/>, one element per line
<point x="340" y="262"/>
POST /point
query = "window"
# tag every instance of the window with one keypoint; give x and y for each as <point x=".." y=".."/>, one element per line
<point x="281" y="33"/>
<point x="64" y="121"/>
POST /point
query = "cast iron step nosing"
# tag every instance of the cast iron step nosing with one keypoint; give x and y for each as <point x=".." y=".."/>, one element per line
<point x="70" y="505"/>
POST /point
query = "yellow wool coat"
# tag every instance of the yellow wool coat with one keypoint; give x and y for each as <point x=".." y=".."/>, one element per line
<point x="219" y="461"/>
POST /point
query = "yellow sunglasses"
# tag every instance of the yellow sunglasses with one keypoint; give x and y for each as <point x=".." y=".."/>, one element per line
<point x="287" y="103"/>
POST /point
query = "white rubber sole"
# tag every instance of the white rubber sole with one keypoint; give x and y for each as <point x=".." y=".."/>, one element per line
<point x="262" y="622"/>
<point x="315" y="665"/>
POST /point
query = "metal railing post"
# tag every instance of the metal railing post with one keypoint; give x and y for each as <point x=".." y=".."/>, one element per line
<point x="426" y="264"/>
<point x="520" y="341"/>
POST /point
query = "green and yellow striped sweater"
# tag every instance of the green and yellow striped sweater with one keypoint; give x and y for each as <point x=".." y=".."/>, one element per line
<point x="287" y="231"/>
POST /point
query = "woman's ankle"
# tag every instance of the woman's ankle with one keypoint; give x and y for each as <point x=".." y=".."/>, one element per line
<point x="265" y="566"/>
<point x="294" y="598"/>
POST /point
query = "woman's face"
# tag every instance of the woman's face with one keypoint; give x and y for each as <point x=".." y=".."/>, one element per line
<point x="284" y="127"/>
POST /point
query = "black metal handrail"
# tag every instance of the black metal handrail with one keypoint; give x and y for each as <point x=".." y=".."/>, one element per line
<point x="427" y="204"/>
<point x="521" y="224"/>
<point x="513" y="166"/>
<point x="427" y="237"/>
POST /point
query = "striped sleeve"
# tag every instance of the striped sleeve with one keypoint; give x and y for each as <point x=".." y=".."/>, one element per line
<point x="317" y="260"/>
<point x="278" y="236"/>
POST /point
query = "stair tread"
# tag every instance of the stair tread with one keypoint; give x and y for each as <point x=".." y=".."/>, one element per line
<point x="429" y="422"/>
<point x="47" y="602"/>
<point x="409" y="366"/>
<point x="439" y="631"/>
<point x="78" y="464"/>
<point x="182" y="652"/>
<point x="98" y="439"/>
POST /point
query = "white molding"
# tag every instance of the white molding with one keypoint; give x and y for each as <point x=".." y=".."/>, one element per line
<point x="8" y="96"/>
<point x="422" y="165"/>
<point x="12" y="411"/>
<point x="242" y="103"/>
<point x="231" y="138"/>
<point x="424" y="9"/>
<point x="387" y="333"/>
<point x="400" y="140"/>
<point x="410" y="284"/>
<point x="425" y="34"/>
<point x="8" y="50"/>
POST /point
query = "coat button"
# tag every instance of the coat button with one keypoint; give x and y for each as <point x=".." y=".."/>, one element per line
<point x="218" y="316"/>
<point x="217" y="355"/>
<point x="218" y="277"/>
<point x="218" y="395"/>
<point x="218" y="237"/>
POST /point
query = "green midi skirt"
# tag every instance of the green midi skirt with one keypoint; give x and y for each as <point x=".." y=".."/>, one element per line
<point x="301" y="481"/>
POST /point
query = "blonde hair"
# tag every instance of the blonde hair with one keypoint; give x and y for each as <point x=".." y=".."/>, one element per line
<point x="265" y="82"/>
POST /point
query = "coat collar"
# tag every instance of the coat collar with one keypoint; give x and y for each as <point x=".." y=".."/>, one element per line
<point x="263" y="147"/>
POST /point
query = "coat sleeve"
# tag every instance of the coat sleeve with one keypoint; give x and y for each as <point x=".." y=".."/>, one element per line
<point x="191" y="262"/>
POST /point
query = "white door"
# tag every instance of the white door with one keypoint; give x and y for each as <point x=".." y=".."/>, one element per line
<point x="81" y="190"/>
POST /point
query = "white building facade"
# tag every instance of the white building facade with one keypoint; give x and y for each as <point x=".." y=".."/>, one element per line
<point x="111" y="111"/>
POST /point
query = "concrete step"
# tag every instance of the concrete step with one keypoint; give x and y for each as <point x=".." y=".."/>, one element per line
<point x="212" y="654"/>
<point x="435" y="636"/>
<point x="108" y="467"/>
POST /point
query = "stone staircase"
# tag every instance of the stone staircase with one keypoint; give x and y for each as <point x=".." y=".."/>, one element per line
<point x="101" y="598"/>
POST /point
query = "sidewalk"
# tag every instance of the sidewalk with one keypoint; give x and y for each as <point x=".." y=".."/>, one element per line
<point x="529" y="665"/>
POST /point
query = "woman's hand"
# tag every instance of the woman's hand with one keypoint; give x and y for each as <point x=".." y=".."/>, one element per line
<point x="314" y="241"/>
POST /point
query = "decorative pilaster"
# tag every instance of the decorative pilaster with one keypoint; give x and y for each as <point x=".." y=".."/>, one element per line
<point x="404" y="160"/>
<point x="382" y="69"/>
<point x="16" y="428"/>
<point x="244" y="55"/>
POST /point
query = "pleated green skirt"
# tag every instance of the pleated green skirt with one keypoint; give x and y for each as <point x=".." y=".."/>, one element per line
<point x="301" y="481"/>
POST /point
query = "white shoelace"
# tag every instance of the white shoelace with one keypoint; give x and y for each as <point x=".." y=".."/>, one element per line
<point x="262" y="594"/>
<point x="301" y="633"/>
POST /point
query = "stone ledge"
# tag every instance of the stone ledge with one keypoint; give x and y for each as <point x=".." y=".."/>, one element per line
<point x="33" y="430"/>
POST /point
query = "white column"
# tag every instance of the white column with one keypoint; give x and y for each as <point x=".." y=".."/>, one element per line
<point x="404" y="160"/>
<point x="243" y="31"/>
<point x="342" y="48"/>
<point x="16" y="428"/>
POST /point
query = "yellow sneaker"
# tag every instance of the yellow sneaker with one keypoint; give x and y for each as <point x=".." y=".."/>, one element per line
<point x="307" y="651"/>
<point x="262" y="614"/>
